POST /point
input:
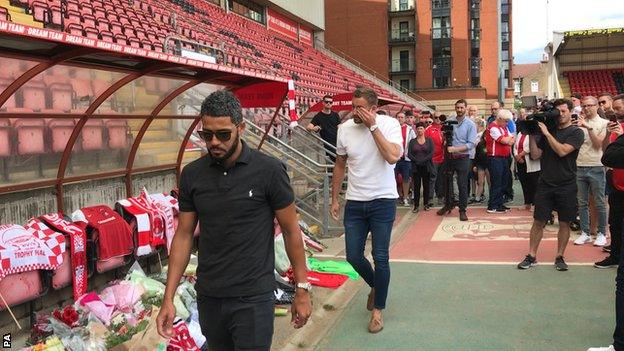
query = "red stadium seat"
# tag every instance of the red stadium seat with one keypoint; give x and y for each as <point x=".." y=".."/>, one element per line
<point x="34" y="96"/>
<point x="5" y="137"/>
<point x="92" y="135"/>
<point x="118" y="134"/>
<point x="60" y="131"/>
<point x="39" y="10"/>
<point x="29" y="133"/>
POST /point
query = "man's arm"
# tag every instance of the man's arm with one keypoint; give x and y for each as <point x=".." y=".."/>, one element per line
<point x="470" y="141"/>
<point x="534" y="151"/>
<point x="595" y="138"/>
<point x="178" y="260"/>
<point x="337" y="178"/>
<point x="287" y="218"/>
<point x="391" y="152"/>
<point x="311" y="127"/>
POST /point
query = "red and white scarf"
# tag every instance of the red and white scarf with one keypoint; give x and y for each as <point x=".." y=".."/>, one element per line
<point x="181" y="339"/>
<point x="78" y="245"/>
<point x="170" y="209"/>
<point x="150" y="222"/>
<point x="29" y="248"/>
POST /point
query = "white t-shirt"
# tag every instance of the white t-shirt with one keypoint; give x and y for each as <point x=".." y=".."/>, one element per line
<point x="588" y="156"/>
<point x="370" y="177"/>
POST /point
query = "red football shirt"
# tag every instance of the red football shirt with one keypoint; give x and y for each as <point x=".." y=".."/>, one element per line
<point x="493" y="136"/>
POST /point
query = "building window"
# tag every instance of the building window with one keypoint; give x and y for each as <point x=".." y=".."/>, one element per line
<point x="441" y="82"/>
<point x="403" y="6"/>
<point x="248" y="9"/>
<point x="534" y="86"/>
<point x="517" y="87"/>
<point x="440" y="4"/>
<point x="475" y="81"/>
<point x="507" y="75"/>
<point x="440" y="28"/>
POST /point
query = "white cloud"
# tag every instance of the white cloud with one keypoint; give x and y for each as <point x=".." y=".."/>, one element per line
<point x="530" y="29"/>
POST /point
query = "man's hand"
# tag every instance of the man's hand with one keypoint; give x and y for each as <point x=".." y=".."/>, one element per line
<point x="335" y="210"/>
<point x="317" y="128"/>
<point x="164" y="321"/>
<point x="543" y="128"/>
<point x="581" y="122"/>
<point x="615" y="128"/>
<point x="368" y="116"/>
<point x="519" y="158"/>
<point x="452" y="149"/>
<point x="301" y="309"/>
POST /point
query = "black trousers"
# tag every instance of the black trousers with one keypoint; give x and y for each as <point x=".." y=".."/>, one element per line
<point x="616" y="224"/>
<point x="528" y="182"/>
<point x="460" y="167"/>
<point x="616" y="214"/>
<point x="420" y="174"/>
<point x="237" y="323"/>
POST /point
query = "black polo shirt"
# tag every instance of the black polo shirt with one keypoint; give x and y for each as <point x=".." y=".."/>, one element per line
<point x="236" y="210"/>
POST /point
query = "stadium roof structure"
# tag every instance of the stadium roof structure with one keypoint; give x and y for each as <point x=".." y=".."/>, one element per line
<point x="592" y="48"/>
<point x="33" y="57"/>
<point x="342" y="102"/>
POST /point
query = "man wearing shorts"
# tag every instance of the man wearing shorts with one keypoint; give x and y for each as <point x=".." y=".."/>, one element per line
<point x="557" y="151"/>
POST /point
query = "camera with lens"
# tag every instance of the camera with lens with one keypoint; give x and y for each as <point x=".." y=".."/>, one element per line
<point x="547" y="114"/>
<point x="447" y="130"/>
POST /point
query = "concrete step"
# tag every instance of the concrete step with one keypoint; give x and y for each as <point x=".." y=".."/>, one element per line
<point x="162" y="146"/>
<point x="22" y="18"/>
<point x="157" y="135"/>
<point x="135" y="124"/>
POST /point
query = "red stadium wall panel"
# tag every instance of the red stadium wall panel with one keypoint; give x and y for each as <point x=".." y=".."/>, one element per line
<point x="280" y="24"/>
<point x="305" y="36"/>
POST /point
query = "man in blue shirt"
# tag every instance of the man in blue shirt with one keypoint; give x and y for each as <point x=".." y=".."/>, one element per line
<point x="459" y="154"/>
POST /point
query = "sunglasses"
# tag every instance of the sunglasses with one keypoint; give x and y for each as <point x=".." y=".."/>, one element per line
<point x="327" y="102"/>
<point x="222" y="135"/>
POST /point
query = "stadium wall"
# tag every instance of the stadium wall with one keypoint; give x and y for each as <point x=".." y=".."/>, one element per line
<point x="311" y="11"/>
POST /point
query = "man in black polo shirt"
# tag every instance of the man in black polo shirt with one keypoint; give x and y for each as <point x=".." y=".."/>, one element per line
<point x="235" y="193"/>
<point x="326" y="124"/>
<point x="556" y="190"/>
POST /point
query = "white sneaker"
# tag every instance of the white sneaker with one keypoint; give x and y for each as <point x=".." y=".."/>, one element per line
<point x="406" y="202"/>
<point x="610" y="348"/>
<point x="601" y="240"/>
<point x="583" y="239"/>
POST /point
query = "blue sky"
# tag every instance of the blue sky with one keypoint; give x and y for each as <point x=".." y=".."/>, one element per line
<point x="533" y="24"/>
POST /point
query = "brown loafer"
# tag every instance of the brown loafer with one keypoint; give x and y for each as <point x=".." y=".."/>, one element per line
<point x="371" y="300"/>
<point x="375" y="325"/>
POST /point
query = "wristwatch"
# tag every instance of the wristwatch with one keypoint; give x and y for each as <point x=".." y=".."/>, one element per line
<point x="373" y="128"/>
<point x="305" y="286"/>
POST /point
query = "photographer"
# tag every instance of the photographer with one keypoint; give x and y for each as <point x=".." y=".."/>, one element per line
<point x="498" y="143"/>
<point x="464" y="135"/>
<point x="557" y="150"/>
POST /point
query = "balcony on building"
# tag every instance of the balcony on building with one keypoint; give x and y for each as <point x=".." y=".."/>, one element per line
<point x="402" y="66"/>
<point x="475" y="8"/>
<point x="397" y="8"/>
<point x="441" y="66"/>
<point x="402" y="36"/>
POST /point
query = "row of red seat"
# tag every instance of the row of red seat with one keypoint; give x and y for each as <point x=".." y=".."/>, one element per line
<point x="26" y="136"/>
<point x="594" y="82"/>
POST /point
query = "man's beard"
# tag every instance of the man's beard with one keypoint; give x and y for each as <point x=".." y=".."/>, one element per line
<point x="228" y="153"/>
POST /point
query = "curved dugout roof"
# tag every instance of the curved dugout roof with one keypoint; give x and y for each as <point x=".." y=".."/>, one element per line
<point x="71" y="90"/>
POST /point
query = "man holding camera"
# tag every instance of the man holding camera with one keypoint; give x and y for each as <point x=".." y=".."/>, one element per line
<point x="556" y="190"/>
<point x="591" y="173"/>
<point x="458" y="161"/>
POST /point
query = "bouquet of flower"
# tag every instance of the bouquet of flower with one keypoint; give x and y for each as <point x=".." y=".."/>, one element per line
<point x="68" y="315"/>
<point x="69" y="325"/>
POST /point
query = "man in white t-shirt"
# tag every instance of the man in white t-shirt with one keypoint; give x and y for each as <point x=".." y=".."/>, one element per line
<point x="370" y="144"/>
<point x="590" y="174"/>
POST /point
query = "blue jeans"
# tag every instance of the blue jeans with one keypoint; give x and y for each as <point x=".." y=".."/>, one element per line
<point x="591" y="179"/>
<point x="499" y="176"/>
<point x="376" y="216"/>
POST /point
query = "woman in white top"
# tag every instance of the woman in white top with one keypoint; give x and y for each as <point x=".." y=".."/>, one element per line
<point x="528" y="169"/>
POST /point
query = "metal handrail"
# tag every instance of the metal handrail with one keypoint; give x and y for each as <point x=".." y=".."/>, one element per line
<point x="291" y="149"/>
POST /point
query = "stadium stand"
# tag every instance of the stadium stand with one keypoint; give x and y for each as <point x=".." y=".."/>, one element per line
<point x="173" y="26"/>
<point x="595" y="82"/>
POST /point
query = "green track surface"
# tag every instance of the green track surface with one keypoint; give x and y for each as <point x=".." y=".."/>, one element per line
<point x="479" y="307"/>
